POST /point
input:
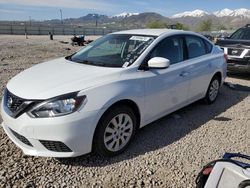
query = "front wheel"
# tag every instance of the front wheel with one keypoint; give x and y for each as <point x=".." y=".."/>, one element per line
<point x="115" y="131"/>
<point x="213" y="90"/>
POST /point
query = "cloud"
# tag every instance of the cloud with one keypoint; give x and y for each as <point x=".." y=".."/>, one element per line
<point x="75" y="4"/>
<point x="11" y="11"/>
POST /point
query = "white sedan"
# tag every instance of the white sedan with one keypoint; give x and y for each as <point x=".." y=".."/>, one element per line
<point x="97" y="98"/>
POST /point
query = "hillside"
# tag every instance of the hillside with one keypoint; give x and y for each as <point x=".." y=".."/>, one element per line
<point x="225" y="18"/>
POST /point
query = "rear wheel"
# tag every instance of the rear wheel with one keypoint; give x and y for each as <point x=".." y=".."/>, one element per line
<point x="213" y="90"/>
<point x="115" y="131"/>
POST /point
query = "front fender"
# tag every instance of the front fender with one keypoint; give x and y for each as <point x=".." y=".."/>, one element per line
<point x="104" y="96"/>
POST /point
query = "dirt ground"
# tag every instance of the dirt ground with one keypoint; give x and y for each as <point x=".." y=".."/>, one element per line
<point x="167" y="153"/>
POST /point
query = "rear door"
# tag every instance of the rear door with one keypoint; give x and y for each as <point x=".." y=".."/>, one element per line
<point x="199" y="68"/>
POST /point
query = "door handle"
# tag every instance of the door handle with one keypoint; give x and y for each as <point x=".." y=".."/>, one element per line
<point x="184" y="73"/>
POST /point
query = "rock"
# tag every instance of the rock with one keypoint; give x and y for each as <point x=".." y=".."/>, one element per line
<point x="149" y="172"/>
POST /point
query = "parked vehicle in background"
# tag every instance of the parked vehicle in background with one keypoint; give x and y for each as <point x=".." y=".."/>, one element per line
<point x="237" y="48"/>
<point x="98" y="97"/>
<point x="80" y="40"/>
<point x="209" y="37"/>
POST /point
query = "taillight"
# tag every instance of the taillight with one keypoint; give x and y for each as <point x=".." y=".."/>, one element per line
<point x="225" y="57"/>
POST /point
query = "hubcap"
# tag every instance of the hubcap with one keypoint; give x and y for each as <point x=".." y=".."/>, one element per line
<point x="118" y="132"/>
<point x="213" y="90"/>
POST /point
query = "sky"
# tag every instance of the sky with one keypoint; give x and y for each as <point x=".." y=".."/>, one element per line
<point x="50" y="9"/>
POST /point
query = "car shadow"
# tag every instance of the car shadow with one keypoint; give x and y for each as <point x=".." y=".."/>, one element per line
<point x="237" y="87"/>
<point x="167" y="130"/>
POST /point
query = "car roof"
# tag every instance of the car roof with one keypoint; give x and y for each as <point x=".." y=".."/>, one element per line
<point x="152" y="32"/>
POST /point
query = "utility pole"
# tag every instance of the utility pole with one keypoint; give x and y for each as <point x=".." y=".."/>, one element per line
<point x="30" y="20"/>
<point x="61" y="16"/>
<point x="96" y="20"/>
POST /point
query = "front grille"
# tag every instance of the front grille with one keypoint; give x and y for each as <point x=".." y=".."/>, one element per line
<point x="13" y="102"/>
<point x="16" y="105"/>
<point x="235" y="52"/>
<point x="21" y="138"/>
<point x="55" y="146"/>
<point x="237" y="61"/>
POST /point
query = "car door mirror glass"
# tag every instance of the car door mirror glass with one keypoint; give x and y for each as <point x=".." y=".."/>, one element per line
<point x="158" y="63"/>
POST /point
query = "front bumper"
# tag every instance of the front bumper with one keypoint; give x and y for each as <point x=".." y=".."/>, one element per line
<point x="49" y="137"/>
<point x="238" y="65"/>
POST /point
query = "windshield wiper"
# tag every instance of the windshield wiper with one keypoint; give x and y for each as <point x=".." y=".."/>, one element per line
<point x="105" y="64"/>
<point x="87" y="62"/>
<point x="70" y="57"/>
<point x="95" y="63"/>
<point x="81" y="61"/>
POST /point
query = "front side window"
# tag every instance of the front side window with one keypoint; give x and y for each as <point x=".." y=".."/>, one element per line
<point x="114" y="50"/>
<point x="170" y="48"/>
<point x="196" y="46"/>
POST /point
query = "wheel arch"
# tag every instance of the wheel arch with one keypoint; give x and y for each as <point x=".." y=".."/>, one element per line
<point x="219" y="75"/>
<point x="128" y="102"/>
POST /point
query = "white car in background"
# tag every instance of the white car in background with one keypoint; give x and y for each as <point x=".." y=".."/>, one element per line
<point x="98" y="97"/>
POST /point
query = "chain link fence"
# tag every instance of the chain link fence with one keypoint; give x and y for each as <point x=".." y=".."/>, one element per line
<point x="18" y="29"/>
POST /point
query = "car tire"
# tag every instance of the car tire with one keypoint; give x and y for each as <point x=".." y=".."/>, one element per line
<point x="115" y="131"/>
<point x="213" y="90"/>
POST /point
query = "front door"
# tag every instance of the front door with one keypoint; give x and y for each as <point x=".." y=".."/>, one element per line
<point x="166" y="89"/>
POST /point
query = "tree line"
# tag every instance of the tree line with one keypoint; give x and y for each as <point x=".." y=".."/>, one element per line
<point x="204" y="25"/>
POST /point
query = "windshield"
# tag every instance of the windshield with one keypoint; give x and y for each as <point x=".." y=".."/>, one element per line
<point x="115" y="50"/>
<point x="241" y="34"/>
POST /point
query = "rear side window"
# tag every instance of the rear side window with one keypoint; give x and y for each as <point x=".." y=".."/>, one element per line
<point x="170" y="48"/>
<point x="196" y="46"/>
<point x="209" y="46"/>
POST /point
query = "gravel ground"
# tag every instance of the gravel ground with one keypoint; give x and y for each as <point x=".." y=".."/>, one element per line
<point x="167" y="153"/>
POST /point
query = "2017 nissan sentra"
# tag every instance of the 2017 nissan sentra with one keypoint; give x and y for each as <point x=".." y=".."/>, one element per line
<point x="96" y="99"/>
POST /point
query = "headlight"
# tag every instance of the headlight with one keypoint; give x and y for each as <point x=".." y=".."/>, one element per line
<point x="58" y="106"/>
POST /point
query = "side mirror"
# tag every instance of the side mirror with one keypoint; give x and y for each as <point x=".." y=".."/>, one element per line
<point x="158" y="63"/>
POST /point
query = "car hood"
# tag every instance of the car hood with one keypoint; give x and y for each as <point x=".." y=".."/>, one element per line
<point x="234" y="43"/>
<point x="57" y="77"/>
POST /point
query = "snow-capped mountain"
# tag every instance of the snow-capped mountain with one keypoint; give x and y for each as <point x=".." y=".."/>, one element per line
<point x="195" y="13"/>
<point x="224" y="12"/>
<point x="124" y="15"/>
<point x="242" y="12"/>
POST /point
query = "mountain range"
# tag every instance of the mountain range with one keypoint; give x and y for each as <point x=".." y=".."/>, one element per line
<point x="124" y="15"/>
<point x="221" y="19"/>
<point x="225" y="18"/>
<point x="242" y="12"/>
